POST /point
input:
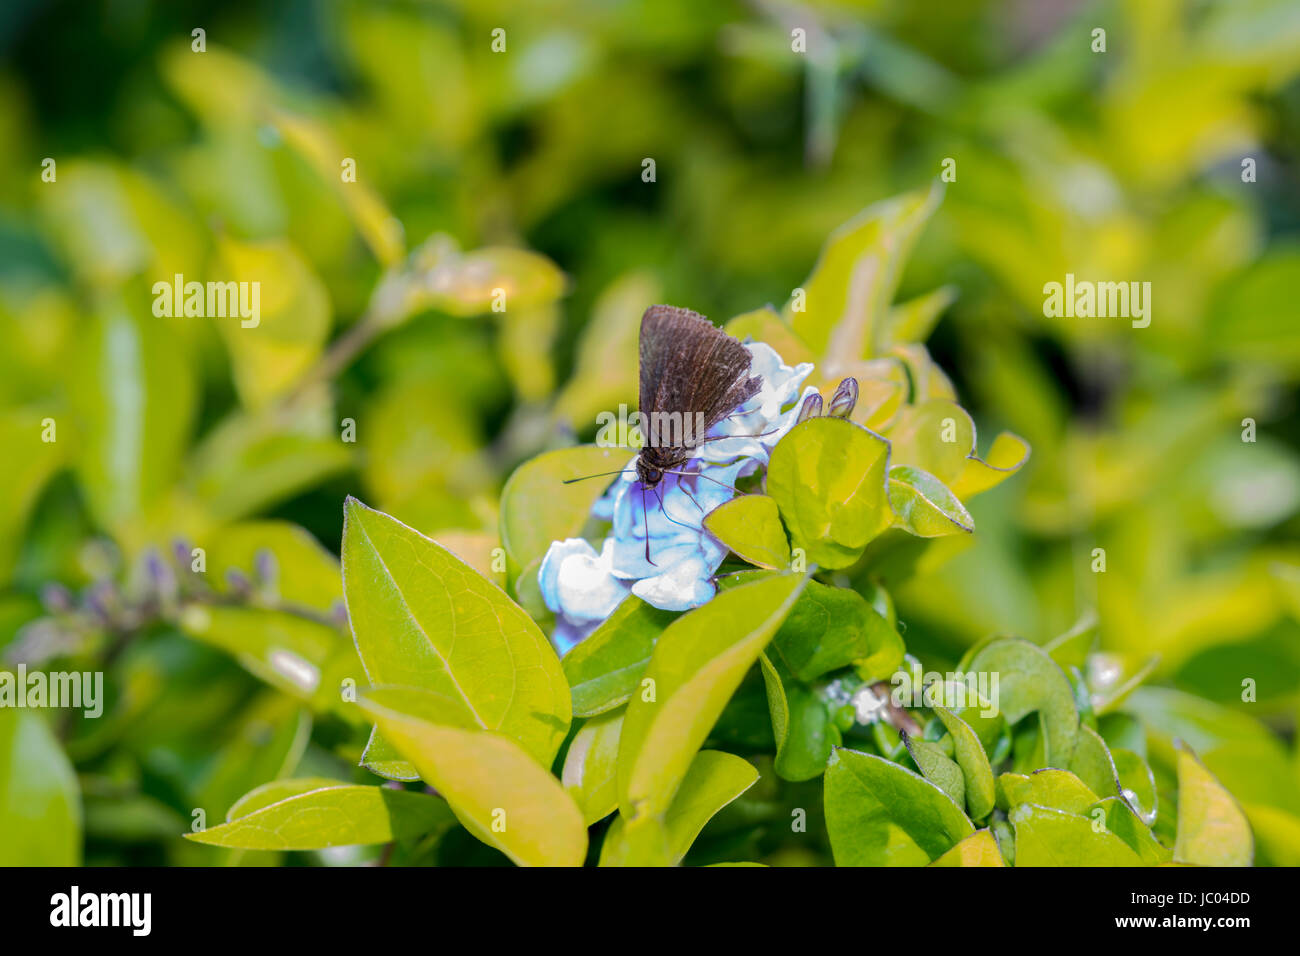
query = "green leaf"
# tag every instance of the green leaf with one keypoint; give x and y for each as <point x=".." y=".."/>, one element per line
<point x="1006" y="456"/>
<point x="377" y="225"/>
<point x="713" y="781"/>
<point x="302" y="657"/>
<point x="1277" y="833"/>
<point x="330" y="816"/>
<point x="465" y="283"/>
<point x="604" y="669"/>
<point x="40" y="801"/>
<point x="590" y="772"/>
<point x="827" y="476"/>
<point x="913" y="320"/>
<point x="750" y="525"/>
<point x="881" y="814"/>
<point x="293" y="321"/>
<point x="829" y="628"/>
<point x="497" y="790"/>
<point x="937" y="767"/>
<point x="1048" y="837"/>
<point x="850" y="290"/>
<point x="133" y="395"/>
<point x="1120" y="819"/>
<point x="924" y="506"/>
<point x="277" y="790"/>
<point x="605" y="360"/>
<point x="1029" y="680"/>
<point x="1092" y="763"/>
<point x="978" y="849"/>
<point x="381" y="758"/>
<point x="1212" y="827"/>
<point x="1072" y="648"/>
<point x="698" y="662"/>
<point x="1138" y="783"/>
<point x="424" y="618"/>
<point x="801" y="725"/>
<point x="266" y="741"/>
<point x="31" y="464"/>
<point x="765" y="325"/>
<point x="537" y="507"/>
<point x="307" y="574"/>
<point x="639" y="842"/>
<point x="974" y="763"/>
<point x="251" y="461"/>
<point x="976" y="712"/>
<point x="934" y="436"/>
<point x="1057" y="789"/>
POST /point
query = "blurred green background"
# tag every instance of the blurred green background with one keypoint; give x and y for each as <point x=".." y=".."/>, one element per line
<point x="1122" y="165"/>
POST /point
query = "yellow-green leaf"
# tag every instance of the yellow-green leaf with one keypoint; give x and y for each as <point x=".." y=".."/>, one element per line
<point x="698" y="662"/>
<point x="424" y="618"/>
<point x="1212" y="827"/>
<point x="497" y="790"/>
<point x="924" y="506"/>
<point x="590" y="772"/>
<point x="713" y="781"/>
<point x="537" y="507"/>
<point x="331" y="816"/>
<point x="978" y="849"/>
<point x="827" y="476"/>
<point x="750" y="525"/>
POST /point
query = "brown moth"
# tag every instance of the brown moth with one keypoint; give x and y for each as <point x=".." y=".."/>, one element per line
<point x="693" y="375"/>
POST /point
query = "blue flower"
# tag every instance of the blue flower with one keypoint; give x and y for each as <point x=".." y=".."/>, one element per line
<point x="583" y="586"/>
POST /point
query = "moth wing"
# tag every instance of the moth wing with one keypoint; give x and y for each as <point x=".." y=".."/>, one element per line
<point x="689" y="366"/>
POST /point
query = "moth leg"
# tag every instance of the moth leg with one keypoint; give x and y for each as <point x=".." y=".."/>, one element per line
<point x="700" y="474"/>
<point x="645" y="518"/>
<point x="664" y="510"/>
<point x="688" y="492"/>
<point x="725" y="437"/>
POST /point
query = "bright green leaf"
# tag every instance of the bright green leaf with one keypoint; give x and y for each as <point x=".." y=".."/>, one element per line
<point x="605" y="668"/>
<point x="881" y="814"/>
<point x="1048" y="837"/>
<point x="829" y="628"/>
<point x="590" y="772"/>
<point x="801" y="725"/>
<point x="974" y="763"/>
<point x="978" y="849"/>
<point x="1212" y="828"/>
<point x="331" y="816"/>
<point x="1057" y="789"/>
<point x="750" y="525"/>
<point x="827" y="476"/>
<point x="713" y="781"/>
<point x="497" y="790"/>
<point x="698" y="663"/>
<point x="40" y="801"/>
<point x="937" y="767"/>
<point x="924" y="506"/>
<point x="537" y="507"/>
<point x="424" y="618"/>
<point x="1029" y="680"/>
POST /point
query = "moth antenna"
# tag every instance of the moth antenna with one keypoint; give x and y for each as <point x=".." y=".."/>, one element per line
<point x="603" y="474"/>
